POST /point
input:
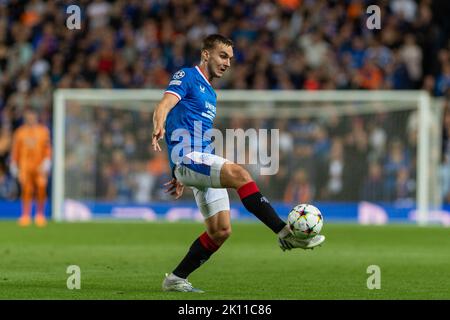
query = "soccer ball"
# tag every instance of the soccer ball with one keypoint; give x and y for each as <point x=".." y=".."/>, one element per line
<point x="305" y="221"/>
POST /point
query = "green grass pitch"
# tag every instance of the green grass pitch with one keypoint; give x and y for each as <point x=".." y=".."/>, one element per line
<point x="128" y="261"/>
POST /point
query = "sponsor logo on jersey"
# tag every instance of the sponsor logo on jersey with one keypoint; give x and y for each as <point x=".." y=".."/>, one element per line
<point x="210" y="112"/>
<point x="210" y="106"/>
<point x="175" y="83"/>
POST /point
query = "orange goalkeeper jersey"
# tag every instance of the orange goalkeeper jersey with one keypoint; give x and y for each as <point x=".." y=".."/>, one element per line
<point x="31" y="145"/>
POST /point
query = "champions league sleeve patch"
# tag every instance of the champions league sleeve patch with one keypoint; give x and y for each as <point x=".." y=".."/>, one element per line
<point x="178" y="75"/>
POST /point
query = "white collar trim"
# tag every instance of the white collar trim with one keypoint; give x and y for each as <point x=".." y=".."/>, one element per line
<point x="201" y="73"/>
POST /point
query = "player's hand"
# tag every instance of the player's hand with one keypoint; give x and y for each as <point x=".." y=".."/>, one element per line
<point x="158" y="134"/>
<point x="175" y="188"/>
<point x="46" y="166"/>
<point x="14" y="170"/>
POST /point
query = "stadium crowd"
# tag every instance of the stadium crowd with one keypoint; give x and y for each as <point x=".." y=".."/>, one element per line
<point x="296" y="44"/>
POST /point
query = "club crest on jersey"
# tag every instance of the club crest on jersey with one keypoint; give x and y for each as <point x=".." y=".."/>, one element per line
<point x="202" y="89"/>
<point x="178" y="75"/>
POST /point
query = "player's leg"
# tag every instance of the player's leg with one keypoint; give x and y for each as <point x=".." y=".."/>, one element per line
<point x="218" y="227"/>
<point x="41" y="198"/>
<point x="207" y="170"/>
<point x="27" y="190"/>
<point x="214" y="206"/>
<point x="234" y="176"/>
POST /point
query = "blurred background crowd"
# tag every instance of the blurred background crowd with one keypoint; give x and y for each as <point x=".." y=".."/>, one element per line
<point x="368" y="157"/>
<point x="279" y="45"/>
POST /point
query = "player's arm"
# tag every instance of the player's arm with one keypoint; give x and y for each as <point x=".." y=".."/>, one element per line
<point x="15" y="150"/>
<point x="159" y="118"/>
<point x="174" y="187"/>
<point x="47" y="162"/>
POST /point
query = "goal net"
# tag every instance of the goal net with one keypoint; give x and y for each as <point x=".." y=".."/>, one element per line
<point x="356" y="153"/>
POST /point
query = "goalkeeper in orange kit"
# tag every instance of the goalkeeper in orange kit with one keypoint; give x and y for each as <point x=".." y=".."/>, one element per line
<point x="31" y="163"/>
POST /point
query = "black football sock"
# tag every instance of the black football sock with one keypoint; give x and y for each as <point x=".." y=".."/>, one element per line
<point x="257" y="204"/>
<point x="199" y="252"/>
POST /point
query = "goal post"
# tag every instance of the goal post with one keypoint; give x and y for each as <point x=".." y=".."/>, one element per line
<point x="256" y="104"/>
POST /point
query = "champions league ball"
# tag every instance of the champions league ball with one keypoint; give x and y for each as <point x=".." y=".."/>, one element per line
<point x="305" y="221"/>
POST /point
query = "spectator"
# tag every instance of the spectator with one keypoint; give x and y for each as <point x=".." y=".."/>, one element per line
<point x="412" y="57"/>
<point x="443" y="80"/>
<point x="356" y="151"/>
<point x="445" y="163"/>
<point x="395" y="161"/>
<point x="369" y="76"/>
<point x="98" y="12"/>
<point x="143" y="183"/>
<point x="8" y="186"/>
<point x="372" y="189"/>
<point x="5" y="143"/>
<point x="404" y="9"/>
<point x="332" y="172"/>
<point x="315" y="48"/>
<point x="404" y="187"/>
<point x="299" y="189"/>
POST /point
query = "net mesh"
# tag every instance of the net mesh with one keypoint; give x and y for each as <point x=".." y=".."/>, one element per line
<point x="328" y="151"/>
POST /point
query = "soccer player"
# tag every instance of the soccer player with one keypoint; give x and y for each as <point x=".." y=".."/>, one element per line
<point x="189" y="104"/>
<point x="30" y="163"/>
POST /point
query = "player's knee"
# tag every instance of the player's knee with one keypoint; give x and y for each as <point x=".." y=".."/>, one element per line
<point x="27" y="193"/>
<point x="221" y="235"/>
<point x="226" y="233"/>
<point x="239" y="175"/>
<point x="41" y="193"/>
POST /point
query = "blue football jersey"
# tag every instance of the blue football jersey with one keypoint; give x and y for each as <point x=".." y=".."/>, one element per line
<point x="192" y="116"/>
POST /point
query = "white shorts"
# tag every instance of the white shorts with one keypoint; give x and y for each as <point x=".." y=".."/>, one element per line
<point x="201" y="172"/>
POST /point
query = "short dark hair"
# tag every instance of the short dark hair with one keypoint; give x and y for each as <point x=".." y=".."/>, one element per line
<point x="30" y="110"/>
<point x="213" y="39"/>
